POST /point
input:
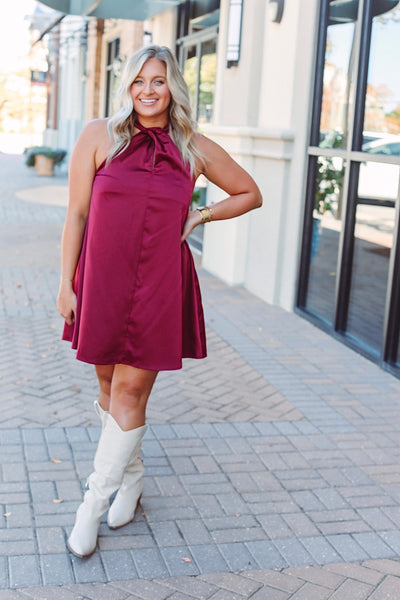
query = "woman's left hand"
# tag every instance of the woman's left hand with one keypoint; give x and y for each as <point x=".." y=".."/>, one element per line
<point x="193" y="219"/>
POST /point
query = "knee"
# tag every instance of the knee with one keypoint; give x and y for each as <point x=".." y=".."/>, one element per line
<point x="130" y="394"/>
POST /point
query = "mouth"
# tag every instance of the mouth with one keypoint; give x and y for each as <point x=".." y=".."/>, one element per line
<point x="148" y="102"/>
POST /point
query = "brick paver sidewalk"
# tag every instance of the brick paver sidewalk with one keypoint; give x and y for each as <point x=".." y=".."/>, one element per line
<point x="272" y="465"/>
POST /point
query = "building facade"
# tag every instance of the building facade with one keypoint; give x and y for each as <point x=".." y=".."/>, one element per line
<point x="305" y="95"/>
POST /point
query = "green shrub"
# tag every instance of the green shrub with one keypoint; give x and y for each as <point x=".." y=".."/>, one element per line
<point x="57" y="154"/>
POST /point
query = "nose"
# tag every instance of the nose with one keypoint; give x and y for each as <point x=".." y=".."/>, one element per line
<point x="148" y="88"/>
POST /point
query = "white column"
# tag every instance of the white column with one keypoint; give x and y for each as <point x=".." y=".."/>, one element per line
<point x="262" y="120"/>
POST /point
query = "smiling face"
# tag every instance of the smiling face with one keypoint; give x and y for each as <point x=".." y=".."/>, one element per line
<point x="150" y="94"/>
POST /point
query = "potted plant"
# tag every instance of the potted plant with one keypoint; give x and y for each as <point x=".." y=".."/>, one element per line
<point x="328" y="192"/>
<point x="43" y="158"/>
<point x="329" y="177"/>
<point x="329" y="186"/>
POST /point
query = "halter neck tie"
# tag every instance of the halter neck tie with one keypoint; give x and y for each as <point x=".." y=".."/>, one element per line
<point x="152" y="130"/>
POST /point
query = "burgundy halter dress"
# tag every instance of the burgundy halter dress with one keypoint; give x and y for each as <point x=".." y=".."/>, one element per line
<point x="139" y="300"/>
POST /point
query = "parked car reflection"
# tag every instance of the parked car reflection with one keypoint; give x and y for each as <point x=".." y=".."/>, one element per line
<point x="383" y="146"/>
<point x="377" y="179"/>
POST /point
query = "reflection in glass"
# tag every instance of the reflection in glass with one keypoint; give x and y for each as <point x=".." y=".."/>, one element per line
<point x="208" y="68"/>
<point x="372" y="245"/>
<point x="112" y="75"/>
<point x="190" y="75"/>
<point x="338" y="72"/>
<point x="378" y="181"/>
<point x="382" y="103"/>
<point x="325" y="238"/>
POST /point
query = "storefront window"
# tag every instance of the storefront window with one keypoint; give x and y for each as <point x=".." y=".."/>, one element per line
<point x="373" y="240"/>
<point x="199" y="70"/>
<point x="112" y="74"/>
<point x="208" y="68"/>
<point x="190" y="70"/>
<point x="197" y="53"/>
<point x="338" y="73"/>
<point x="381" y="133"/>
<point x="326" y="226"/>
<point x="349" y="277"/>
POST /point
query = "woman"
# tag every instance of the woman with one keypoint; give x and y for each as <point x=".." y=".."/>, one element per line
<point x="129" y="292"/>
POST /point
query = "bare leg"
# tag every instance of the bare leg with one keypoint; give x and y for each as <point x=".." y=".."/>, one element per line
<point x="117" y="465"/>
<point x="104" y="375"/>
<point x="130" y="391"/>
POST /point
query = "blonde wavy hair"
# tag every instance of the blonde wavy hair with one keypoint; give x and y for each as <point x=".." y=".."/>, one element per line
<point x="182" y="127"/>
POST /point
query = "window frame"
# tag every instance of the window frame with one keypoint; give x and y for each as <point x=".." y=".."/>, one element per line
<point x="196" y="39"/>
<point x="352" y="156"/>
<point x="113" y="52"/>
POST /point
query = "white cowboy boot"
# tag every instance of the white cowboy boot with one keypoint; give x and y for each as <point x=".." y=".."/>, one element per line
<point x="123" y="508"/>
<point x="100" y="411"/>
<point x="116" y="448"/>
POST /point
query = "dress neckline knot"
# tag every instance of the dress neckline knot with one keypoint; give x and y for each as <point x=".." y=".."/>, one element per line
<point x="151" y="130"/>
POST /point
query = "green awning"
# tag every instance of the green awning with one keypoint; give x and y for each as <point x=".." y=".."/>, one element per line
<point x="137" y="10"/>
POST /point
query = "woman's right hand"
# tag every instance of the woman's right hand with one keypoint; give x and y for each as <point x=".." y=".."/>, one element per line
<point x="66" y="302"/>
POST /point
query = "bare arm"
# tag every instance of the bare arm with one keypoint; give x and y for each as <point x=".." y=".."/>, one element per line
<point x="219" y="168"/>
<point x="86" y="157"/>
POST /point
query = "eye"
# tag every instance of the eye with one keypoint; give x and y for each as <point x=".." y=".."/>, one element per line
<point x="159" y="81"/>
<point x="138" y="81"/>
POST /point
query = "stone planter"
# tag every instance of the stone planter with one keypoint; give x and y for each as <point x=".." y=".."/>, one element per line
<point x="44" y="166"/>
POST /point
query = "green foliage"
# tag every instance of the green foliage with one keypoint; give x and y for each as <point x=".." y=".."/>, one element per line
<point x="57" y="154"/>
<point x="207" y="79"/>
<point x="394" y="118"/>
<point x="329" y="178"/>
<point x="195" y="199"/>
